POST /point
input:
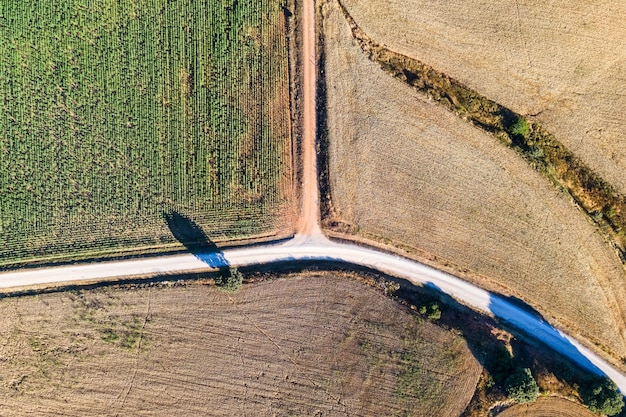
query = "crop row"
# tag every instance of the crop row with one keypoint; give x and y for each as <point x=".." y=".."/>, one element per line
<point x="147" y="105"/>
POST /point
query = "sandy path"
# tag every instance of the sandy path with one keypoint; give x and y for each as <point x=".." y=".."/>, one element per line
<point x="309" y="220"/>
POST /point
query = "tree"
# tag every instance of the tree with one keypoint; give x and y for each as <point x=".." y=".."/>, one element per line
<point x="229" y="279"/>
<point x="521" y="386"/>
<point x="499" y="364"/>
<point x="601" y="396"/>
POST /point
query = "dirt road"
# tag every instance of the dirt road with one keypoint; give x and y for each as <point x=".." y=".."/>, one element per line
<point x="309" y="220"/>
<point x="321" y="249"/>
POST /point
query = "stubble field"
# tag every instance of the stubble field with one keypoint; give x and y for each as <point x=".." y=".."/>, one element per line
<point x="407" y="172"/>
<point x="117" y="112"/>
<point x="314" y="344"/>
<point x="548" y="407"/>
<point x="561" y="63"/>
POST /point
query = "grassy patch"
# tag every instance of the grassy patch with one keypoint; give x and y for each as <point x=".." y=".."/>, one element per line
<point x="411" y="384"/>
<point x="123" y="330"/>
<point x="109" y="336"/>
<point x="419" y="358"/>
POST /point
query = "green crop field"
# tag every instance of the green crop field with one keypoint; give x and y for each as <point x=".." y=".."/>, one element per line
<point x="116" y="111"/>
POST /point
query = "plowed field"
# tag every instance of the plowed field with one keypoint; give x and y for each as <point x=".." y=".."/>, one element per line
<point x="548" y="407"/>
<point x="305" y="345"/>
<point x="405" y="171"/>
<point x="562" y="62"/>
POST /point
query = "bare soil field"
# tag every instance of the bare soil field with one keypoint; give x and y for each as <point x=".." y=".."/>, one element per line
<point x="548" y="407"/>
<point x="407" y="172"/>
<point x="562" y="63"/>
<point x="314" y="344"/>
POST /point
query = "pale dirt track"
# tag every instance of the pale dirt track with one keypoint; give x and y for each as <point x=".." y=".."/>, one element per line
<point x="314" y="246"/>
<point x="309" y="220"/>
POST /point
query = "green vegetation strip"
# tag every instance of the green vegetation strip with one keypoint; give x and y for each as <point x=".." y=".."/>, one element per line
<point x="597" y="198"/>
<point x="113" y="113"/>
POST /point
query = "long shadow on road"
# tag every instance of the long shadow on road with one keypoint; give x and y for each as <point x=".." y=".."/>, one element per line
<point x="542" y="331"/>
<point x="526" y="321"/>
<point x="545" y="348"/>
<point x="195" y="240"/>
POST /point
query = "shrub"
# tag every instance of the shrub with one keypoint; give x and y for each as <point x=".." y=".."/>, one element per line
<point x="601" y="396"/>
<point x="229" y="280"/>
<point x="521" y="386"/>
<point x="500" y="364"/>
<point x="520" y="127"/>
<point x="432" y="311"/>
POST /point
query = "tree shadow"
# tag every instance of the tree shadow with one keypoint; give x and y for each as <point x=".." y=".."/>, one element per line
<point x="522" y="305"/>
<point x="517" y="318"/>
<point x="486" y="344"/>
<point x="195" y="240"/>
<point x="478" y="330"/>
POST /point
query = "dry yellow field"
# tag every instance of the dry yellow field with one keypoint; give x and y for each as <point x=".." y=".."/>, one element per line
<point x="548" y="407"/>
<point x="405" y="171"/>
<point x="311" y="345"/>
<point x="561" y="62"/>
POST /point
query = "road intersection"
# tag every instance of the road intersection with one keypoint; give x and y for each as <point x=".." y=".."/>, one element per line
<point x="309" y="244"/>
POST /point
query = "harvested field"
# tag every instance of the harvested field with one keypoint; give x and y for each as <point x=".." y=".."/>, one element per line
<point x="407" y="172"/>
<point x="548" y="407"/>
<point x="561" y="63"/>
<point x="598" y="199"/>
<point x="117" y="112"/>
<point x="312" y="344"/>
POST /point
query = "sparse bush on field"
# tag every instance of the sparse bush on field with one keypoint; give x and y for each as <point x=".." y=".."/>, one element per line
<point x="431" y="310"/>
<point x="229" y="280"/>
<point x="109" y="336"/>
<point x="601" y="396"/>
<point x="521" y="386"/>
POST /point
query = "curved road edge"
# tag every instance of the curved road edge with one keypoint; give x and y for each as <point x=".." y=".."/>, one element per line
<point x="318" y="248"/>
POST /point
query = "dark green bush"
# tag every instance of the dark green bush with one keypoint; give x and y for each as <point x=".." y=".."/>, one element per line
<point x="500" y="364"/>
<point x="229" y="279"/>
<point x="601" y="396"/>
<point x="521" y="386"/>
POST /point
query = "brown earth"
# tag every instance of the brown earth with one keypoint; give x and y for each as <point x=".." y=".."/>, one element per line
<point x="407" y="172"/>
<point x="548" y="407"/>
<point x="562" y="63"/>
<point x="312" y="344"/>
<point x="309" y="213"/>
